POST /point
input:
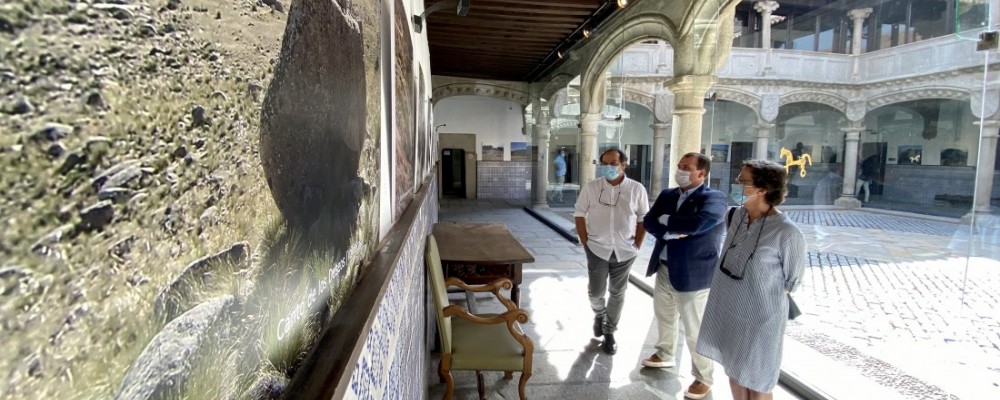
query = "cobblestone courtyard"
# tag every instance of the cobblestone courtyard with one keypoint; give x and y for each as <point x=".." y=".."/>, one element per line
<point x="895" y="297"/>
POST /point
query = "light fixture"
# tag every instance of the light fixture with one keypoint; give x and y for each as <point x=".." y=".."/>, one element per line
<point x="622" y="3"/>
<point x="559" y="53"/>
<point x="418" y="20"/>
<point x="586" y="33"/>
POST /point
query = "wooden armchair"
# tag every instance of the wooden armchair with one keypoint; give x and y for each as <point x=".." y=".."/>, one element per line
<point x="492" y="342"/>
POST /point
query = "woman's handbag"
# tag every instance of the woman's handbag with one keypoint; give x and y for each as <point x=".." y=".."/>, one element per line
<point x="793" y="309"/>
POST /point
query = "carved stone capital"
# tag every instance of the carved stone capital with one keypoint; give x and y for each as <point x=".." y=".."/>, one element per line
<point x="588" y="123"/>
<point x="660" y="130"/>
<point x="766" y="7"/>
<point x="852" y="133"/>
<point x="858" y="15"/>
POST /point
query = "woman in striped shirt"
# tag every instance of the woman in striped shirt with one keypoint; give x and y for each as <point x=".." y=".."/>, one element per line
<point x="762" y="260"/>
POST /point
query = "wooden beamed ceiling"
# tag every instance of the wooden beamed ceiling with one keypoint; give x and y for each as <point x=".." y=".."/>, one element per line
<point x="504" y="39"/>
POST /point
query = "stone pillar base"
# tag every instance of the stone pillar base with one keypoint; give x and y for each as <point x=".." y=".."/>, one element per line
<point x="540" y="206"/>
<point x="847" y="202"/>
<point x="967" y="218"/>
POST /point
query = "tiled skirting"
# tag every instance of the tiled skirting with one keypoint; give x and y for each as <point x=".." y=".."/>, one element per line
<point x="391" y="363"/>
<point x="503" y="180"/>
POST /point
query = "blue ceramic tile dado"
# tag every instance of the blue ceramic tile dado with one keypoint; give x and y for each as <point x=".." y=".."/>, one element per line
<point x="391" y="364"/>
<point x="503" y="179"/>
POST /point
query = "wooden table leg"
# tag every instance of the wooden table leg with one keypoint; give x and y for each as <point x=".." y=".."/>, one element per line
<point x="515" y="295"/>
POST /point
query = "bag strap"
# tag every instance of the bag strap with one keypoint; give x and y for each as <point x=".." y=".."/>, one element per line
<point x="729" y="217"/>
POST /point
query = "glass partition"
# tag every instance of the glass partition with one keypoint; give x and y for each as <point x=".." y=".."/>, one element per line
<point x="827" y="26"/>
<point x="891" y="180"/>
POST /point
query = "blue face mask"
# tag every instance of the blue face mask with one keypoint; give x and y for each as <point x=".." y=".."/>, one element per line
<point x="607" y="171"/>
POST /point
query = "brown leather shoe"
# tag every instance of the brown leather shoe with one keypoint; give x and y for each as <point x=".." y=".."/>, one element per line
<point x="654" y="361"/>
<point x="697" y="390"/>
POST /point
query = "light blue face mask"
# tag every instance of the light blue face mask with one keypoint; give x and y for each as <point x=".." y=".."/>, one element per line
<point x="607" y="171"/>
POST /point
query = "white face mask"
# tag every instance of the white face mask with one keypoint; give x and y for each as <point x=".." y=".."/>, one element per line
<point x="683" y="178"/>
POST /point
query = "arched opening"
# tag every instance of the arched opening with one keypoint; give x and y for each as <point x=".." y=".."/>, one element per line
<point x="920" y="154"/>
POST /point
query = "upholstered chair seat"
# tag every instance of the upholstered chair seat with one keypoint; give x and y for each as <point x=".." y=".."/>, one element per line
<point x="484" y="342"/>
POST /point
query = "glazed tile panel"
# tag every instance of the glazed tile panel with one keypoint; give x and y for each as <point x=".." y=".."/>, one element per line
<point x="391" y="364"/>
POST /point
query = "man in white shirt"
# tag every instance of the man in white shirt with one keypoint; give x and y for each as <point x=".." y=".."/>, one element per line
<point x="609" y="213"/>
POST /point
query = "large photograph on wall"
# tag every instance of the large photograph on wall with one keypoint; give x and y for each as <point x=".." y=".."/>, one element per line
<point x="423" y="146"/>
<point x="403" y="132"/>
<point x="182" y="226"/>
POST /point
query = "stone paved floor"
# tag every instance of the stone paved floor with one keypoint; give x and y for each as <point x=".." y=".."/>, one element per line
<point x="568" y="363"/>
<point x="883" y="295"/>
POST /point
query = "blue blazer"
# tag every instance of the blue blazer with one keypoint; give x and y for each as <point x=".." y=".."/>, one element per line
<point x="691" y="260"/>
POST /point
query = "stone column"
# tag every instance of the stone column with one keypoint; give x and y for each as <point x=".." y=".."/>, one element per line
<point x="541" y="129"/>
<point x="857" y="16"/>
<point x="663" y="58"/>
<point x="852" y="139"/>
<point x="689" y="106"/>
<point x="984" y="169"/>
<point x="766" y="8"/>
<point x="763" y="135"/>
<point x="588" y="146"/>
<point x="660" y="131"/>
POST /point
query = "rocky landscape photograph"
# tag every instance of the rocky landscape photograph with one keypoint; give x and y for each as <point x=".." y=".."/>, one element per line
<point x="189" y="191"/>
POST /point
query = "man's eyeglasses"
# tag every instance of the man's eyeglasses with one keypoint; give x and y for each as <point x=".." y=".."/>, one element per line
<point x="608" y="203"/>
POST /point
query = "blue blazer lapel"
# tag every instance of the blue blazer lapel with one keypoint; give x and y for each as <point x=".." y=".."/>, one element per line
<point x="690" y="200"/>
<point x="672" y="197"/>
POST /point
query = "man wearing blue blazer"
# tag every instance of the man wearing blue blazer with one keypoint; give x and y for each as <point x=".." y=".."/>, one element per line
<point x="687" y="223"/>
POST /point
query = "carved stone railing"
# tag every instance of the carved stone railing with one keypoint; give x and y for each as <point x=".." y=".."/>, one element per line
<point x="926" y="57"/>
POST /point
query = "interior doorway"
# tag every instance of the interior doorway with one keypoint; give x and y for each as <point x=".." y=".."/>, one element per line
<point x="877" y="150"/>
<point x="640" y="163"/>
<point x="453" y="173"/>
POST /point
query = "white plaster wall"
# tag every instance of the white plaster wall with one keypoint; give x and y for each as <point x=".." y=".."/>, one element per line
<point x="494" y="122"/>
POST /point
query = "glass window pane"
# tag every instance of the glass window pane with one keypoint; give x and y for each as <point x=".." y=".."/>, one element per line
<point x="803" y="34"/>
<point x="779" y="32"/>
<point x="928" y="19"/>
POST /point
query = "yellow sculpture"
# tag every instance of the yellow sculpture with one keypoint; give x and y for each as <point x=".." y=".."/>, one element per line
<point x="801" y="162"/>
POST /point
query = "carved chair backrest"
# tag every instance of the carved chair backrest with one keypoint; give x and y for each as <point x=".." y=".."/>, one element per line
<point x="439" y="292"/>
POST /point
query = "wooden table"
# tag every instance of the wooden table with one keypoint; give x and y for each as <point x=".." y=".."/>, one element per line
<point x="481" y="253"/>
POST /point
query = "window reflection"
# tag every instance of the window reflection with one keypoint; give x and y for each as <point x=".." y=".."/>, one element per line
<point x="827" y="27"/>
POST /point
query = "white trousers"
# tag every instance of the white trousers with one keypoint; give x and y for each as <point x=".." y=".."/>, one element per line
<point x="670" y="305"/>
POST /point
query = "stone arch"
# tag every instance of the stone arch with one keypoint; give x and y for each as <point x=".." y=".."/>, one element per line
<point x="643" y="26"/>
<point x="790" y="110"/>
<point x="480" y="89"/>
<point x="738" y="96"/>
<point x="557" y="83"/>
<point x="925" y="93"/>
<point x="837" y="102"/>
<point x="640" y="97"/>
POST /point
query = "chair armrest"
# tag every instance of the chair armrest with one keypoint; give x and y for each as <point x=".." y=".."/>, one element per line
<point x="495" y="286"/>
<point x="515" y="315"/>
<point x="511" y="318"/>
<point x="502" y="283"/>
